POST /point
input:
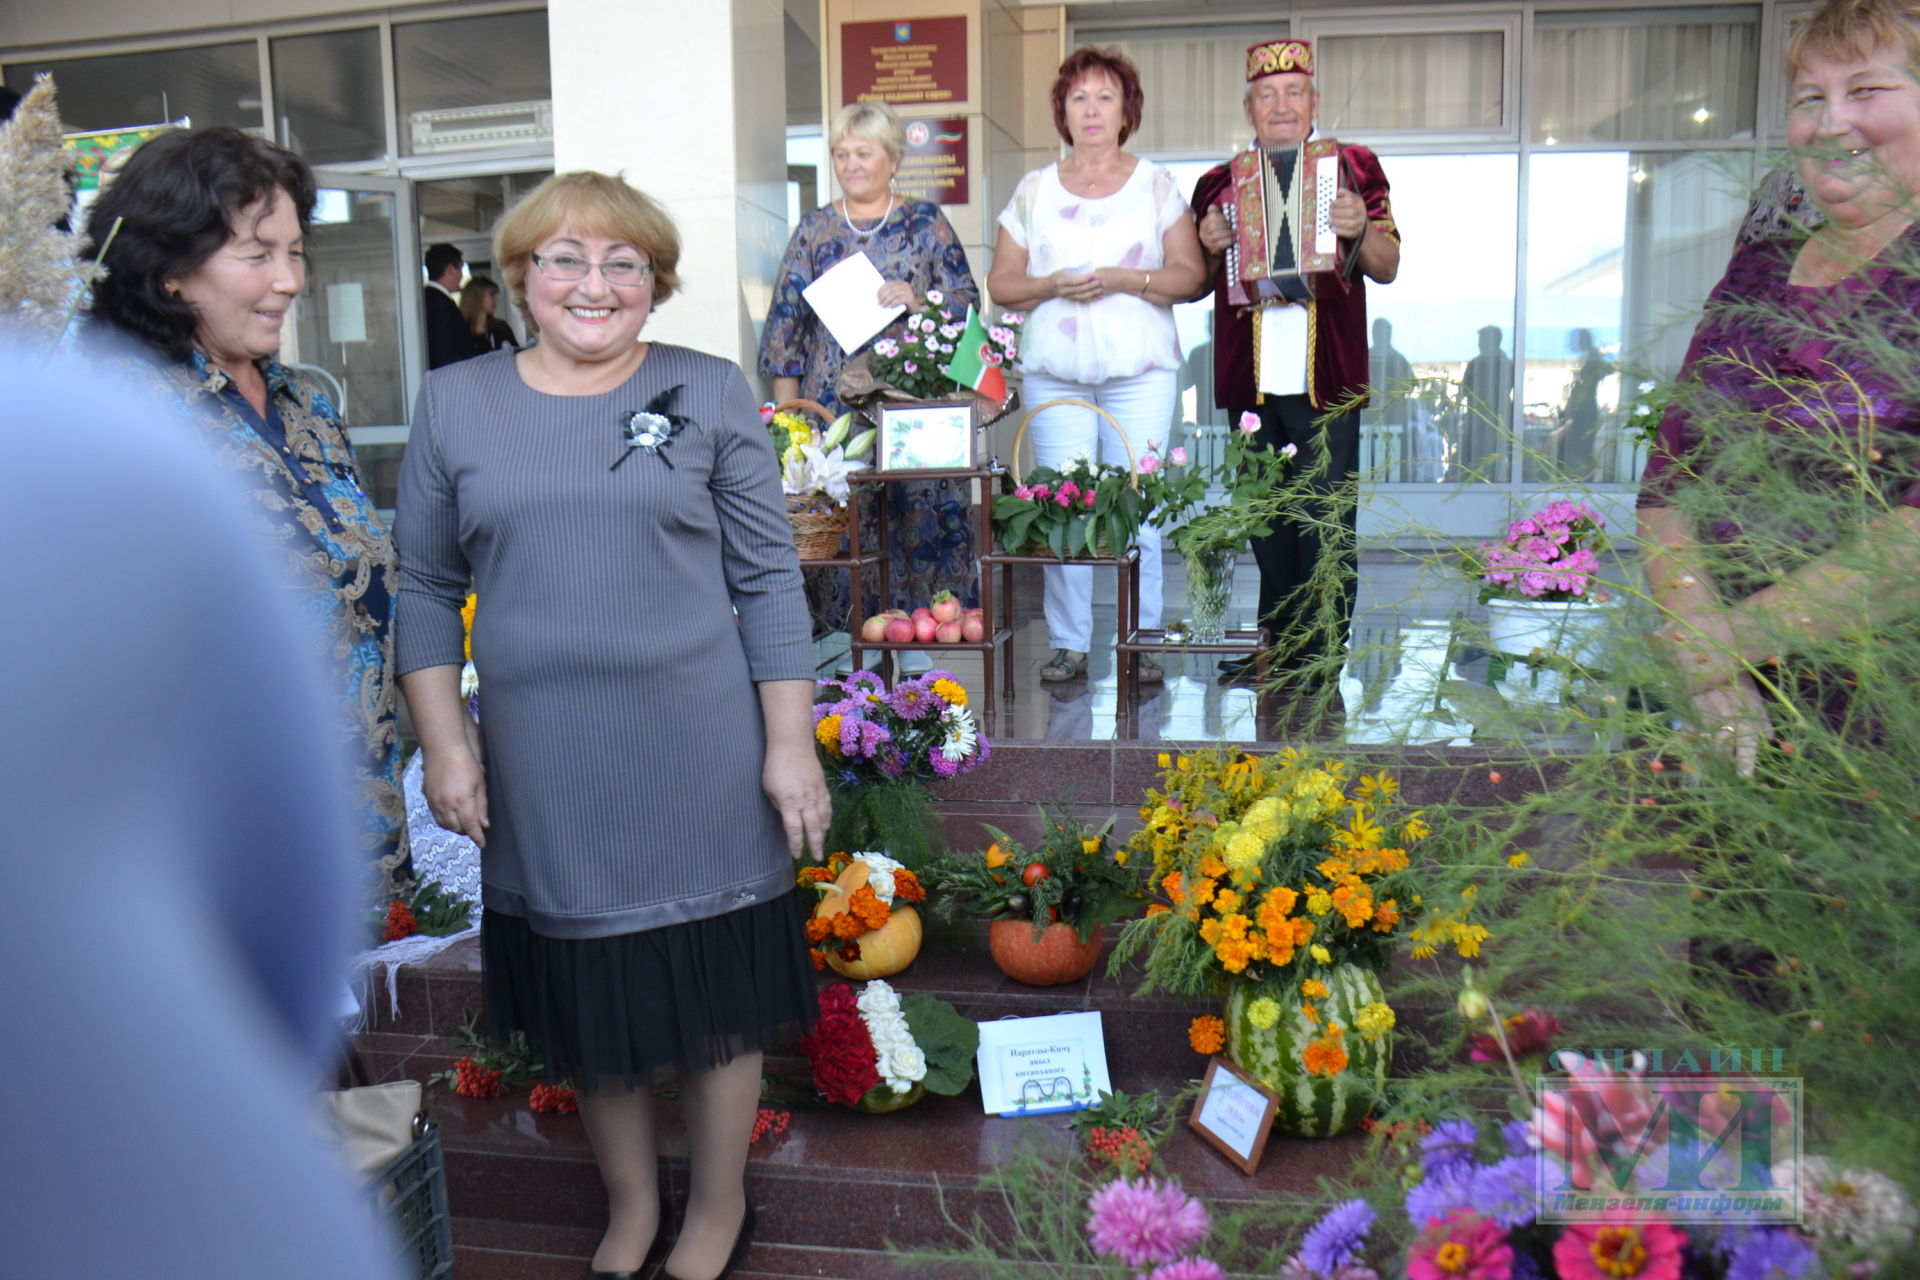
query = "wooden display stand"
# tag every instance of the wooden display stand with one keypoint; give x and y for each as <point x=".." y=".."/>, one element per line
<point x="1126" y="597"/>
<point x="857" y="561"/>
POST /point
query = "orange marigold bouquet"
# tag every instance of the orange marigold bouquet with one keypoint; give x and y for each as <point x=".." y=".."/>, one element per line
<point x="1280" y="865"/>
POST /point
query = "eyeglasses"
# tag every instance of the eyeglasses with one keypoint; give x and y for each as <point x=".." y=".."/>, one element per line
<point x="615" y="271"/>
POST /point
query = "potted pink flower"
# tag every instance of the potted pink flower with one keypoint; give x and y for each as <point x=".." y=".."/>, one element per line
<point x="1548" y="607"/>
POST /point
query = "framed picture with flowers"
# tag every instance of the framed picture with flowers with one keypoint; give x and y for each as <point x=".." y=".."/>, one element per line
<point x="928" y="435"/>
<point x="1235" y="1113"/>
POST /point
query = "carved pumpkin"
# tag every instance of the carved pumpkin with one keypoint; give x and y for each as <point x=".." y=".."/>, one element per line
<point x="1058" y="957"/>
<point x="884" y="951"/>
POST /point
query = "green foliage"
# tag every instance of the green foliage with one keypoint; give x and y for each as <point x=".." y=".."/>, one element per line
<point x="1086" y="883"/>
<point x="1247" y="476"/>
<point x="894" y="818"/>
<point x="948" y="1040"/>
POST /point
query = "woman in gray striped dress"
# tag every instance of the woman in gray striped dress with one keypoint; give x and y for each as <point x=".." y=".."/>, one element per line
<point x="645" y="769"/>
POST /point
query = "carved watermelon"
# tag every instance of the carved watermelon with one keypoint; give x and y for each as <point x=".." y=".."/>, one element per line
<point x="1311" y="1106"/>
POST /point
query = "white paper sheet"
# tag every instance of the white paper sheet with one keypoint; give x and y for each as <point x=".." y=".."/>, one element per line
<point x="844" y="299"/>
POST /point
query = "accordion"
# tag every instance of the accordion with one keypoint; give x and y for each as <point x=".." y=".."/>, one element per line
<point x="1280" y="206"/>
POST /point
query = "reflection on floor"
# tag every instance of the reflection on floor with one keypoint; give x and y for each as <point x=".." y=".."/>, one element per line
<point x="1404" y="642"/>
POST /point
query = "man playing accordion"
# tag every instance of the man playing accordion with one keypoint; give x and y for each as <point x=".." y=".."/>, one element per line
<point x="1290" y="339"/>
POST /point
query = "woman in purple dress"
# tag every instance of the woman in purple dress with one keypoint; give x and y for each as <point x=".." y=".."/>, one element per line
<point x="915" y="250"/>
<point x="1763" y="544"/>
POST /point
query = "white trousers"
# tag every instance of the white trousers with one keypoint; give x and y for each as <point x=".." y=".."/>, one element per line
<point x="1143" y="405"/>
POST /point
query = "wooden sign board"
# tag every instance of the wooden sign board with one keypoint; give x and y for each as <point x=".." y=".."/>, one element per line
<point x="1235" y="1113"/>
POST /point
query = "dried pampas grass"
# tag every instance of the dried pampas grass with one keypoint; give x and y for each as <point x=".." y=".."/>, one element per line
<point x="42" y="273"/>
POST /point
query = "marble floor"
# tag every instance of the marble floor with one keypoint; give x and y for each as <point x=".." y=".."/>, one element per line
<point x="1404" y="643"/>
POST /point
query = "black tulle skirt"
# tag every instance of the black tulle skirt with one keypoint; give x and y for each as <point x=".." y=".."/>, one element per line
<point x="626" y="1012"/>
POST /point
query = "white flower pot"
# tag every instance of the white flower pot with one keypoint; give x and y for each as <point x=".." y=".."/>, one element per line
<point x="1572" y="629"/>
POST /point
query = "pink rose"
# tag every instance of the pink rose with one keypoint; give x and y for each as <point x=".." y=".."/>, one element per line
<point x="1148" y="464"/>
<point x="1178" y="457"/>
<point x="1249" y="423"/>
<point x="1292" y="450"/>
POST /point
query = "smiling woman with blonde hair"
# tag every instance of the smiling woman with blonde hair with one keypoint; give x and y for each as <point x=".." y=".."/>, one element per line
<point x="1808" y="345"/>
<point x="644" y="769"/>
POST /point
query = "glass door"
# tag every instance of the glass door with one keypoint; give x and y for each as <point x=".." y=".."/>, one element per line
<point x="358" y="330"/>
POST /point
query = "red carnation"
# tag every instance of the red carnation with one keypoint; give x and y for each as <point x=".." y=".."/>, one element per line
<point x="840" y="1048"/>
<point x="400" y="922"/>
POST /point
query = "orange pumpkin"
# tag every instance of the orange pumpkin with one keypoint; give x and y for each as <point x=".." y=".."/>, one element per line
<point x="884" y="951"/>
<point x="1058" y="957"/>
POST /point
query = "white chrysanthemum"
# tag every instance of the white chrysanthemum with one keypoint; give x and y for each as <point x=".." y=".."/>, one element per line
<point x="469" y="681"/>
<point x="1862" y="1207"/>
<point x="962" y="737"/>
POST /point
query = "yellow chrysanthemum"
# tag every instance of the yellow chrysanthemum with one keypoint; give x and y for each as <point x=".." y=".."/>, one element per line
<point x="1321" y="954"/>
<point x="1374" y="1020"/>
<point x="952" y="691"/>
<point x="1243" y="851"/>
<point x="1319" y="903"/>
<point x="1314" y="988"/>
<point x="1416" y="828"/>
<point x="1467" y="938"/>
<point x="1517" y="860"/>
<point x="1264" y="1013"/>
<point x="827" y="734"/>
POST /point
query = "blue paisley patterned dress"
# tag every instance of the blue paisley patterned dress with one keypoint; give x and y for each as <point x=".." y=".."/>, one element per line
<point x="300" y="467"/>
<point x="932" y="545"/>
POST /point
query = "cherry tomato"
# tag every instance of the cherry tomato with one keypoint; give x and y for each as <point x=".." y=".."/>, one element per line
<point x="1034" y="874"/>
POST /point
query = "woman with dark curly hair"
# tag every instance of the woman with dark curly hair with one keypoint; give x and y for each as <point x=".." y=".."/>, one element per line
<point x="201" y="275"/>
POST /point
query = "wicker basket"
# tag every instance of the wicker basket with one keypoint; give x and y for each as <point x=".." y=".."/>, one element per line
<point x="817" y="534"/>
<point x="1037" y="546"/>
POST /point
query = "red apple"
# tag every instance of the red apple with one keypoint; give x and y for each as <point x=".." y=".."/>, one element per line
<point x="946" y="607"/>
<point x="923" y="612"/>
<point x="899" y="630"/>
<point x="874" y="628"/>
<point x="923" y="628"/>
<point x="947" y="632"/>
<point x="973" y="628"/>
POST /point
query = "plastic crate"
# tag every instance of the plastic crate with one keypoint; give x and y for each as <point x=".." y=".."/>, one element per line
<point x="411" y="1195"/>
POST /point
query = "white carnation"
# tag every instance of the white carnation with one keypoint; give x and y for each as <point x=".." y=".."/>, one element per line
<point x="877" y="998"/>
<point x="880" y="869"/>
<point x="906" y="1066"/>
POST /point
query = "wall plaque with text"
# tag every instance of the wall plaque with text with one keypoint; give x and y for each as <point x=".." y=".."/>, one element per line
<point x="907" y="63"/>
<point x="934" y="167"/>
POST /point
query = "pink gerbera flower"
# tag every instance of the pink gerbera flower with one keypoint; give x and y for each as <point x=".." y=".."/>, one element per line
<point x="1464" y="1247"/>
<point x="1144" y="1223"/>
<point x="1627" y="1249"/>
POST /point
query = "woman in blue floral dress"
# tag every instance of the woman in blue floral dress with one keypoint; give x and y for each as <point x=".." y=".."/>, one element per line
<point x="201" y="275"/>
<point x="916" y="252"/>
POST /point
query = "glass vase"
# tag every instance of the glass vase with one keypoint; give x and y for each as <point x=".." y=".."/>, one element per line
<point x="1209" y="592"/>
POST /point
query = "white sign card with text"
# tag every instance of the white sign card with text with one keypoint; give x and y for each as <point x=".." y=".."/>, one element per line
<point x="1031" y="1066"/>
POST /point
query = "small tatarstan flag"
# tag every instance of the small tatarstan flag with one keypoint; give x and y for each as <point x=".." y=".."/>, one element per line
<point x="976" y="364"/>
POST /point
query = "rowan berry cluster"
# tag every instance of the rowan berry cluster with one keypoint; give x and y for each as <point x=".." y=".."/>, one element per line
<point x="769" y="1123"/>
<point x="471" y="1080"/>
<point x="1123" y="1148"/>
<point x="551" y="1098"/>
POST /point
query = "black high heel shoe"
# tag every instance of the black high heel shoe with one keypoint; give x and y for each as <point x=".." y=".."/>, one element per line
<point x="656" y="1258"/>
<point x="741" y="1244"/>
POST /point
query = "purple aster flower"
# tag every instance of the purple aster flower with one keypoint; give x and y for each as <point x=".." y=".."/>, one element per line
<point x="930" y="678"/>
<point x="864" y="680"/>
<point x="1505" y="1192"/>
<point x="892" y="761"/>
<point x="1448" y="1147"/>
<point x="943" y="767"/>
<point x="911" y="699"/>
<point x="1188" y="1269"/>
<point x="1144" y="1223"/>
<point x="1440" y="1195"/>
<point x="1518" y="1135"/>
<point x="1772" y="1254"/>
<point x="1333" y="1241"/>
